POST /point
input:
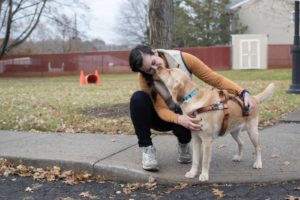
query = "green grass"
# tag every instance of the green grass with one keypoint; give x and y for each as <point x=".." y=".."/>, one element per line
<point x="57" y="103"/>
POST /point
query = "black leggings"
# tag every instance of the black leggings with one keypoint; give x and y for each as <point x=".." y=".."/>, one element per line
<point x="144" y="118"/>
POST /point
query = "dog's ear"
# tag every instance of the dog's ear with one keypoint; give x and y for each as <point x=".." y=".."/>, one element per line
<point x="178" y="91"/>
<point x="178" y="86"/>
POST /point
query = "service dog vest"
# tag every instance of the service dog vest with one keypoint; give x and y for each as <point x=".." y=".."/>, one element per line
<point x="174" y="59"/>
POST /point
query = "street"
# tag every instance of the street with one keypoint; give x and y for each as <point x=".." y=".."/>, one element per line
<point x="25" y="188"/>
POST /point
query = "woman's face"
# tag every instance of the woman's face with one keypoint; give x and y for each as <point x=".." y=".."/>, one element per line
<point x="150" y="62"/>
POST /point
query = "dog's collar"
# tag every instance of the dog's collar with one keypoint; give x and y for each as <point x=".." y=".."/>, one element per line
<point x="190" y="95"/>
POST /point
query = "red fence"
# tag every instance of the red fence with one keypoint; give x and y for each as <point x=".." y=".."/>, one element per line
<point x="279" y="56"/>
<point x="218" y="58"/>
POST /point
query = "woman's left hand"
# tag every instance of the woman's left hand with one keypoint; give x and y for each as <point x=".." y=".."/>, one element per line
<point x="248" y="100"/>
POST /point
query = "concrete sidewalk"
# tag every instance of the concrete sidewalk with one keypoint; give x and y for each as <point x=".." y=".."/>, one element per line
<point x="118" y="157"/>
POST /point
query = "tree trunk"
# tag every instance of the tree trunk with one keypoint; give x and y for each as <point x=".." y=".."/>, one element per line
<point x="161" y="21"/>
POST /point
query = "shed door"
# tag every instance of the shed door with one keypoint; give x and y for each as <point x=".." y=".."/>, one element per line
<point x="249" y="54"/>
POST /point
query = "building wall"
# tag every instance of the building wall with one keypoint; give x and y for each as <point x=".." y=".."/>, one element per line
<point x="271" y="17"/>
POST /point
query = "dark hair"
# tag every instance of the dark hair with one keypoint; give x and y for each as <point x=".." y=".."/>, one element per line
<point x="136" y="62"/>
<point x="136" y="56"/>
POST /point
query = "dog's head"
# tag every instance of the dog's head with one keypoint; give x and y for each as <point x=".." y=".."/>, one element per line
<point x="175" y="80"/>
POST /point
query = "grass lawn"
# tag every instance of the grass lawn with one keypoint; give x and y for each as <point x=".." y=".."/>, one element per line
<point x="59" y="104"/>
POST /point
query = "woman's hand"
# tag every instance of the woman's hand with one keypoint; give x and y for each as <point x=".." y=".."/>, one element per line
<point x="192" y="123"/>
<point x="248" y="100"/>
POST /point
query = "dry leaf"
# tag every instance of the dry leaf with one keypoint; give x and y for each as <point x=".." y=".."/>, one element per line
<point x="151" y="179"/>
<point x="292" y="198"/>
<point x="218" y="193"/>
<point x="297" y="188"/>
<point x="286" y="163"/>
<point x="274" y="156"/>
<point x="221" y="146"/>
<point x="64" y="198"/>
<point x="87" y="195"/>
<point x="181" y="186"/>
<point x="28" y="189"/>
<point x="131" y="187"/>
<point x="33" y="187"/>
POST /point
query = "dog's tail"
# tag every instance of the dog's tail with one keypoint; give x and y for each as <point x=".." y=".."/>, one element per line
<point x="264" y="95"/>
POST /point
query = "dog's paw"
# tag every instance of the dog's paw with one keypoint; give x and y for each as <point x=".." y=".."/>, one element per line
<point x="236" y="158"/>
<point x="190" y="174"/>
<point x="257" y="165"/>
<point x="203" y="177"/>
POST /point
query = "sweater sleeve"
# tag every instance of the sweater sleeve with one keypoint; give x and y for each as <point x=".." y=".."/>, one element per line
<point x="159" y="104"/>
<point x="203" y="72"/>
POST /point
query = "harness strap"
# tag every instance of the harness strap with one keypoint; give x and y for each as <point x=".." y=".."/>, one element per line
<point x="222" y="105"/>
<point x="224" y="95"/>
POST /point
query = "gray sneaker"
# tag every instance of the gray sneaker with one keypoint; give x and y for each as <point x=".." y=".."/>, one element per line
<point x="184" y="153"/>
<point x="149" y="159"/>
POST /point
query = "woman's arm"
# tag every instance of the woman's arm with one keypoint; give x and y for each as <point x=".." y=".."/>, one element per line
<point x="203" y="72"/>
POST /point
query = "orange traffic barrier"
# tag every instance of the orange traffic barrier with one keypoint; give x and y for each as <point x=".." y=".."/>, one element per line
<point x="82" y="78"/>
<point x="97" y="77"/>
<point x="90" y="78"/>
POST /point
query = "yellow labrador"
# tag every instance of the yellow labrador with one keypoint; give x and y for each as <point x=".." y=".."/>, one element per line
<point x="180" y="85"/>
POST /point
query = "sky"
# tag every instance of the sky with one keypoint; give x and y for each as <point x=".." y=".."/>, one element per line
<point x="102" y="19"/>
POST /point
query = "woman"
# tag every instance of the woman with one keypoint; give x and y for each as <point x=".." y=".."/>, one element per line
<point x="152" y="107"/>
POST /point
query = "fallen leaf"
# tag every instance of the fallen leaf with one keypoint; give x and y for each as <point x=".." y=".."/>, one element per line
<point x="221" y="146"/>
<point x="218" y="193"/>
<point x="290" y="197"/>
<point x="297" y="188"/>
<point x="64" y="198"/>
<point x="151" y="179"/>
<point x="130" y="187"/>
<point x="87" y="195"/>
<point x="286" y="163"/>
<point x="181" y="186"/>
<point x="274" y="156"/>
<point x="33" y="187"/>
<point x="28" y="189"/>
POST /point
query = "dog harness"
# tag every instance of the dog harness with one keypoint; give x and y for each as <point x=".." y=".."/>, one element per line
<point x="222" y="105"/>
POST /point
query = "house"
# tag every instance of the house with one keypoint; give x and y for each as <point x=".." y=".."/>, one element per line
<point x="271" y="17"/>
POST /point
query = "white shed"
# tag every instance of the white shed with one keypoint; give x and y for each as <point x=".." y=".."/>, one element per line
<point x="249" y="51"/>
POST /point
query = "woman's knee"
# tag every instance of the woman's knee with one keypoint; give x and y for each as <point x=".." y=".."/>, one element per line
<point x="139" y="98"/>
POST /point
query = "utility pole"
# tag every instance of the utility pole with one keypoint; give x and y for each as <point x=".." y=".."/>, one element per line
<point x="295" y="87"/>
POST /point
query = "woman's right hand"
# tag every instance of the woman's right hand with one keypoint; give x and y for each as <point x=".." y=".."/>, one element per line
<point x="192" y="123"/>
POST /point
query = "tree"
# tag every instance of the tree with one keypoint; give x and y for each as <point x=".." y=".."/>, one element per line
<point x="212" y="21"/>
<point x="133" y="22"/>
<point x="160" y="20"/>
<point x="13" y="15"/>
<point x="182" y="27"/>
<point x="19" y="18"/>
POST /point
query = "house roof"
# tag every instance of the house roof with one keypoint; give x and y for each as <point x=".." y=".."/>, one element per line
<point x="236" y="3"/>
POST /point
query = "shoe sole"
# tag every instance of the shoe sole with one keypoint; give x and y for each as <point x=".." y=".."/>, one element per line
<point x="184" y="161"/>
<point x="152" y="169"/>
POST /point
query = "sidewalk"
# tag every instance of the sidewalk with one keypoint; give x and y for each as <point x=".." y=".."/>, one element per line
<point x="118" y="157"/>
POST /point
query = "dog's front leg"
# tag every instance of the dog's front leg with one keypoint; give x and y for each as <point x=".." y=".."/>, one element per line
<point x="196" y="156"/>
<point x="207" y="142"/>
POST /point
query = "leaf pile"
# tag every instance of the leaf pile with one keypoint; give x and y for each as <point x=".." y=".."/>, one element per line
<point x="47" y="174"/>
<point x="131" y="187"/>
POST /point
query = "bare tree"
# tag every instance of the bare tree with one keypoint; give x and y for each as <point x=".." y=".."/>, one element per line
<point x="160" y="19"/>
<point x="133" y="22"/>
<point x="15" y="13"/>
<point x="19" y="18"/>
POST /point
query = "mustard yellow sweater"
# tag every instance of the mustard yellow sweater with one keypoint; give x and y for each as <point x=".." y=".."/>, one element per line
<point x="203" y="72"/>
